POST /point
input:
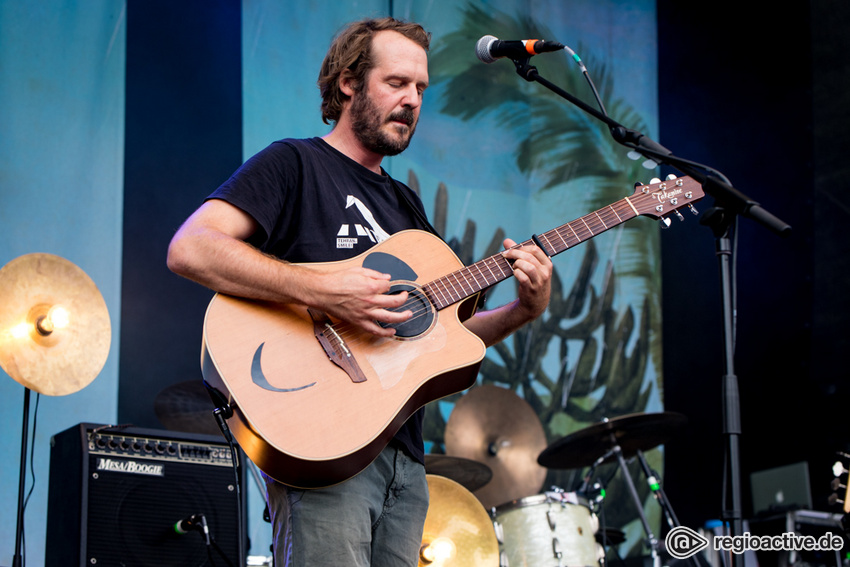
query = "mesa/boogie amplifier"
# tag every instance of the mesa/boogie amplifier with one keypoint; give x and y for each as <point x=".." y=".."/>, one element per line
<point x="116" y="494"/>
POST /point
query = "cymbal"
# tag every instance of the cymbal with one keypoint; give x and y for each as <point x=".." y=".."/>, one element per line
<point x="457" y="528"/>
<point x="494" y="426"/>
<point x="186" y="406"/>
<point x="470" y="474"/>
<point x="634" y="432"/>
<point x="59" y="359"/>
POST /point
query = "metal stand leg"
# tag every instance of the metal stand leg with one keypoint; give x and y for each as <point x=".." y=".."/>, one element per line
<point x="651" y="539"/>
<point x="658" y="492"/>
<point x="17" y="561"/>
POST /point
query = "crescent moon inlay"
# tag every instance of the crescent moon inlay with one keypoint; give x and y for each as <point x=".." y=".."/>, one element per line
<point x="259" y="378"/>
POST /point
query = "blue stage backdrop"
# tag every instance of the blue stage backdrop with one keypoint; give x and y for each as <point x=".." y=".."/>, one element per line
<point x="494" y="156"/>
<point x="61" y="192"/>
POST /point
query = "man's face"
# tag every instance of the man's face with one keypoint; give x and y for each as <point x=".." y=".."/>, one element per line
<point x="384" y="113"/>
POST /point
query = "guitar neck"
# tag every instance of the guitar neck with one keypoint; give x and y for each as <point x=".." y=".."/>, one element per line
<point x="486" y="273"/>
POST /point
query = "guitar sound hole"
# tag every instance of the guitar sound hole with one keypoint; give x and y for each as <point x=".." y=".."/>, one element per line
<point x="418" y="303"/>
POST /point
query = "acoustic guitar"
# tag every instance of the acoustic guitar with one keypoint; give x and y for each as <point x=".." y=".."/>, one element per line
<point x="315" y="400"/>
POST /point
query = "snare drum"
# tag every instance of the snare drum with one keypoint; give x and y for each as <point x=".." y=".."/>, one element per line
<point x="550" y="529"/>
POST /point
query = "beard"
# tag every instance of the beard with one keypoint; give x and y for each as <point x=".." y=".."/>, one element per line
<point x="367" y="125"/>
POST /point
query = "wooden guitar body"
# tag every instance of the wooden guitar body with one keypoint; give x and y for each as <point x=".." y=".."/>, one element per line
<point x="300" y="417"/>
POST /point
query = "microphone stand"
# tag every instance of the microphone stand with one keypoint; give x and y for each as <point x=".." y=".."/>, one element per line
<point x="729" y="204"/>
<point x="658" y="491"/>
<point x="221" y="412"/>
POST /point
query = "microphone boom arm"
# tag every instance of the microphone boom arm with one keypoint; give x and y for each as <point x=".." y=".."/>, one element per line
<point x="712" y="181"/>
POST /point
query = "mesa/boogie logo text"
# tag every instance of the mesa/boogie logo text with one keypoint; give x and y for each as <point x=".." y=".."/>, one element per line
<point x="132" y="467"/>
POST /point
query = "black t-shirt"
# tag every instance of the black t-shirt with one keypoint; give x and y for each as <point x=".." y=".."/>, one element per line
<point x="314" y="204"/>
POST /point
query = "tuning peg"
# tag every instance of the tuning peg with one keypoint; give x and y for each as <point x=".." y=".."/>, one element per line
<point x="693" y="209"/>
<point x="670" y="177"/>
<point x="839" y="469"/>
<point x="654" y="180"/>
<point x="679" y="215"/>
<point x="834" y="499"/>
<point x="665" y="222"/>
<point x="836" y="484"/>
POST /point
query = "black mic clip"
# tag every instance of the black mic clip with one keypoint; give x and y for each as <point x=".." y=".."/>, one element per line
<point x="584" y="489"/>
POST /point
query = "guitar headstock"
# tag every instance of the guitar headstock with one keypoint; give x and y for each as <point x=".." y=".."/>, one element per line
<point x="840" y="484"/>
<point x="659" y="199"/>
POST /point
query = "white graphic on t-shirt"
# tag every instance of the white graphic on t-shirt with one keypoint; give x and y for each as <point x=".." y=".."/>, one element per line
<point x="374" y="231"/>
<point x="359" y="230"/>
<point x="344" y="240"/>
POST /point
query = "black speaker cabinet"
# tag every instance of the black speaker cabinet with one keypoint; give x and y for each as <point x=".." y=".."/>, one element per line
<point x="116" y="494"/>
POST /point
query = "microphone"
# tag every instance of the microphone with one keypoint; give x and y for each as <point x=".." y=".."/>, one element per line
<point x="490" y="48"/>
<point x="195" y="522"/>
<point x="585" y="484"/>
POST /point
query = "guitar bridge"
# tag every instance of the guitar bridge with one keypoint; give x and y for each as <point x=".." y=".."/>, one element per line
<point x="334" y="346"/>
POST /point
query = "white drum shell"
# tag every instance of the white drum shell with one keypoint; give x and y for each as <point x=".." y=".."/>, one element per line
<point x="547" y="530"/>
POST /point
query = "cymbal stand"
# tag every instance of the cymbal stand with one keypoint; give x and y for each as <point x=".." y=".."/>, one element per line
<point x="650" y="537"/>
<point x="17" y="560"/>
<point x="658" y="492"/>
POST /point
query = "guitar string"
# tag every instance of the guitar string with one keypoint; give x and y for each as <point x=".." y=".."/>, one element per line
<point x="351" y="333"/>
<point x="580" y="230"/>
<point x="579" y="234"/>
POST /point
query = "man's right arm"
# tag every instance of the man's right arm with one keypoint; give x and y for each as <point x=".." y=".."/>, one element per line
<point x="210" y="248"/>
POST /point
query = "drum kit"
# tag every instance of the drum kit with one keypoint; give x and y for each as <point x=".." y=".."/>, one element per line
<point x="488" y="506"/>
<point x="496" y="451"/>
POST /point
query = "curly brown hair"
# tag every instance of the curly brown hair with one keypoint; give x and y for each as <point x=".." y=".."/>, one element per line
<point x="352" y="49"/>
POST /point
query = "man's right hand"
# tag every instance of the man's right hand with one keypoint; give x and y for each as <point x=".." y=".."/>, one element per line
<point x="359" y="296"/>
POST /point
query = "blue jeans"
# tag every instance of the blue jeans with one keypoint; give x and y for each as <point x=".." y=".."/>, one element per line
<point x="373" y="519"/>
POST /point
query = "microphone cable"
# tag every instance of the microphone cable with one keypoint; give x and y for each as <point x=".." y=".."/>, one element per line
<point x="583" y="69"/>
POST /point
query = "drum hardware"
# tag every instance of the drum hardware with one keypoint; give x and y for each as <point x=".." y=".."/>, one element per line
<point x="652" y="541"/>
<point x="653" y="480"/>
<point x="615" y="440"/>
<point x="654" y="483"/>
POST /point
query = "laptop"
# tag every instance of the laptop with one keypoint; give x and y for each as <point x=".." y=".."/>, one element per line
<point x="781" y="489"/>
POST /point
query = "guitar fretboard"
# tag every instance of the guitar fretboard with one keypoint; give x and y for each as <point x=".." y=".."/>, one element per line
<point x="485" y="273"/>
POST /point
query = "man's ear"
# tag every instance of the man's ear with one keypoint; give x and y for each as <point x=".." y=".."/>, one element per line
<point x="347" y="83"/>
